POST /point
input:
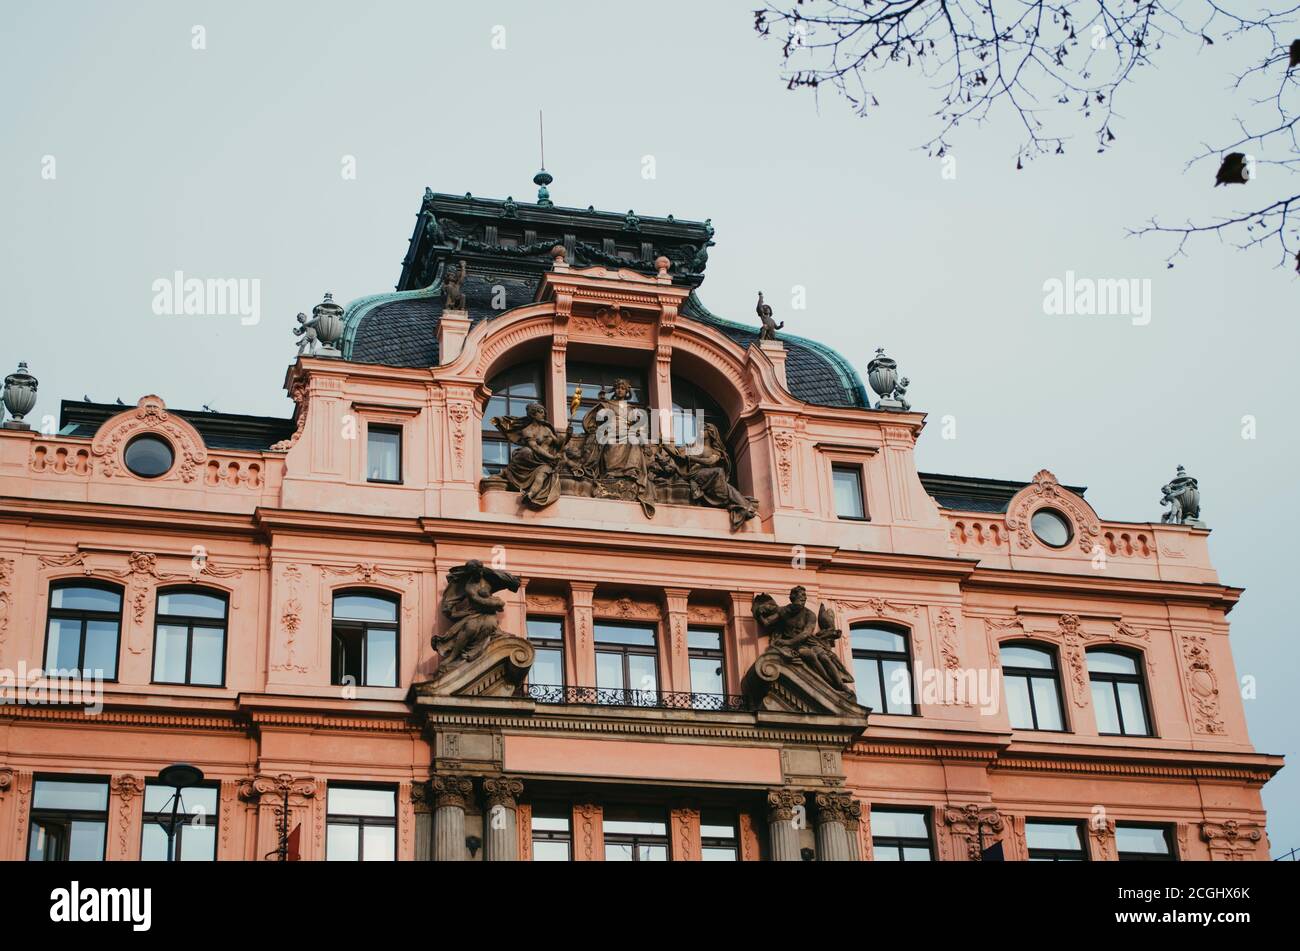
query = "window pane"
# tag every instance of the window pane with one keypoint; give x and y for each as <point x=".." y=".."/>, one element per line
<point x="618" y="634"/>
<point x="717" y="854"/>
<point x="866" y="681"/>
<point x="169" y="654"/>
<point x="653" y="853"/>
<point x="1018" y="708"/>
<point x="877" y="639"/>
<point x="153" y="844"/>
<point x="545" y="850"/>
<point x="916" y="854"/>
<point x="1052" y="835"/>
<point x="86" y="599"/>
<point x="64" y="645"/>
<point x="496" y="452"/>
<point x="717" y="825"/>
<point x="198" y="843"/>
<point x="697" y="639"/>
<point x="848" y="492"/>
<point x="546" y="627"/>
<point x="898" y="686"/>
<point x="641" y="672"/>
<point x="634" y="827"/>
<point x="74" y="794"/>
<point x="609" y="671"/>
<point x="548" y="668"/>
<point x="617" y="853"/>
<point x="902" y="825"/>
<point x="1103" y="705"/>
<point x="381" y="657"/>
<point x="342" y="843"/>
<point x="1130" y="704"/>
<point x="550" y="823"/>
<point x="364" y="607"/>
<point x="1014" y="655"/>
<point x="350" y="801"/>
<point x="1141" y="839"/>
<point x="1047" y="704"/>
<point x="87" y="841"/>
<point x="380" y="843"/>
<point x="208" y="656"/>
<point x="191" y="604"/>
<point x="45" y="842"/>
<point x="706" y="675"/>
<point x="101" y="648"/>
<point x="157" y="798"/>
<point x="383" y="454"/>
<point x="1110" y="662"/>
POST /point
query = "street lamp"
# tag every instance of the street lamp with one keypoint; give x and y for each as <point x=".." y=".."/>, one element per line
<point x="177" y="776"/>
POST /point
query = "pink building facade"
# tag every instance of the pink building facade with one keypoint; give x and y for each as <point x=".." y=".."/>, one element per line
<point x="260" y="597"/>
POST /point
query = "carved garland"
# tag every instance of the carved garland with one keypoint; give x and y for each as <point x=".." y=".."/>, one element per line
<point x="6" y="603"/>
<point x="1202" y="685"/>
<point x="150" y="415"/>
<point x="970" y="822"/>
<point x="298" y="393"/>
<point x="1231" y="839"/>
<point x="1046" y="491"/>
<point x="291" y="620"/>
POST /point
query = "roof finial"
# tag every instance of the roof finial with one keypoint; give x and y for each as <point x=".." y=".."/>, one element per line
<point x="543" y="177"/>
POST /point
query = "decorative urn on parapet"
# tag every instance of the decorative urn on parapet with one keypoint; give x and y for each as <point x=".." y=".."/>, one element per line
<point x="882" y="374"/>
<point x="321" y="331"/>
<point x="1183" y="498"/>
<point x="19" y="396"/>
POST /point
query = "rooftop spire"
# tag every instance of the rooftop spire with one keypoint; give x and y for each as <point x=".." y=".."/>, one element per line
<point x="543" y="177"/>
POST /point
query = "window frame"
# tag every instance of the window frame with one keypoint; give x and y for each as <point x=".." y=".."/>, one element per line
<point x="636" y="840"/>
<point x="625" y="651"/>
<point x="1032" y="673"/>
<point x="550" y="811"/>
<point x="151" y="818"/>
<point x="901" y="842"/>
<point x="1114" y="680"/>
<point x="878" y="657"/>
<point x="718" y="842"/>
<point x="858" y="471"/>
<point x="360" y="822"/>
<point x="37" y="815"/>
<point x="1056" y="855"/>
<point x="548" y="643"/>
<point x="707" y="653"/>
<point x="393" y="429"/>
<point x="488" y="432"/>
<point x="78" y="614"/>
<point x="354" y="624"/>
<point x="190" y="622"/>
<point x="1171" y="855"/>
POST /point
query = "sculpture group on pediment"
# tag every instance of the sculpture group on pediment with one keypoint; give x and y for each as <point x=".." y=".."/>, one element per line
<point x="803" y="639"/>
<point x="616" y="456"/>
<point x="470" y="603"/>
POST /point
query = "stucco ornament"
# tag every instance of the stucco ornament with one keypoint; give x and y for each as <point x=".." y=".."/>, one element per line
<point x="19" y="396"/>
<point x="149" y="415"/>
<point x="882" y="374"/>
<point x="321" y="331"/>
<point x="803" y="639"/>
<point x="470" y="603"/>
<point x="1182" y="496"/>
<point x="1045" y="491"/>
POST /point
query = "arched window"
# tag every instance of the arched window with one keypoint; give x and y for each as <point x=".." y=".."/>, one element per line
<point x="692" y="406"/>
<point x="1033" y="687"/>
<point x="1118" y="693"/>
<point x="512" y="391"/>
<point x="84" y="625"/>
<point x="364" y="644"/>
<point x="882" y="668"/>
<point x="189" y="645"/>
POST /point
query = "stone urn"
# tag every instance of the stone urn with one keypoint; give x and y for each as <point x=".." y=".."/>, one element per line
<point x="19" y="396"/>
<point x="1189" y="491"/>
<point x="882" y="374"/>
<point x="329" y="325"/>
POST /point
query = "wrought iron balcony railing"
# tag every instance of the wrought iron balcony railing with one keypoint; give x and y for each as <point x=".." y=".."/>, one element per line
<point x="619" y="697"/>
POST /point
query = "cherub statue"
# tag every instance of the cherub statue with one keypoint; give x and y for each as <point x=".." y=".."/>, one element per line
<point x="900" y="393"/>
<point x="1183" y="497"/>
<point x="453" y="296"/>
<point x="802" y="638"/>
<point x="306" y="329"/>
<point x="770" y="326"/>
<point x="469" y="602"/>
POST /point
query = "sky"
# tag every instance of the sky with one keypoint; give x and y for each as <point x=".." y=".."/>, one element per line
<point x="230" y="161"/>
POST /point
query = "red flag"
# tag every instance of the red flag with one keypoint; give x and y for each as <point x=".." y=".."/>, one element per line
<point x="295" y="837"/>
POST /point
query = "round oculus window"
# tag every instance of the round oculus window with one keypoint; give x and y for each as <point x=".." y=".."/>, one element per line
<point x="1051" y="527"/>
<point x="149" y="456"/>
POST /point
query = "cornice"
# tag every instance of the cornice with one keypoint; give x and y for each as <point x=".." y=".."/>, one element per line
<point x="174" y="521"/>
<point x="1109" y="586"/>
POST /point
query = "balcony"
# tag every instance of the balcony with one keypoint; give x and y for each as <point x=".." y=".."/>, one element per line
<point x="657" y="699"/>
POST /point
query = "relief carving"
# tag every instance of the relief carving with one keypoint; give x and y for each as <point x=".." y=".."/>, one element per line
<point x="150" y="415"/>
<point x="1202" y="685"/>
<point x="1045" y="490"/>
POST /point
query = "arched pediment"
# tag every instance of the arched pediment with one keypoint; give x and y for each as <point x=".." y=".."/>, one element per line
<point x="149" y="415"/>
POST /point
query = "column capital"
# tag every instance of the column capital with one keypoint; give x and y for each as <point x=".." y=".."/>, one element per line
<point x="451" y="791"/>
<point x="782" y="803"/>
<point x="835" y="806"/>
<point x="502" y="791"/>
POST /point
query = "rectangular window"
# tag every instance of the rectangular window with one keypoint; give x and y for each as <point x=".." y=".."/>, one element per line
<point x="190" y="638"/>
<point x="69" y="819"/>
<point x="383" y="454"/>
<point x="901" y="835"/>
<point x="635" y="835"/>
<point x="552" y="834"/>
<point x="364" y="642"/>
<point x="547" y="637"/>
<point x="1055" y="840"/>
<point x="704" y="647"/>
<point x="361" y="824"/>
<point x="1138" y="842"/>
<point x="627" y="664"/>
<point x="82" y="631"/>
<point x="848" y="492"/>
<point x="719" y="836"/>
<point x="196" y="823"/>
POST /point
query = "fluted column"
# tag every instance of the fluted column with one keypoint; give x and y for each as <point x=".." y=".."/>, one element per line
<point x="832" y="826"/>
<point x="450" y="797"/>
<point x="422" y="805"/>
<point x="785" y="817"/>
<point x="853" y="826"/>
<point x="500" y="818"/>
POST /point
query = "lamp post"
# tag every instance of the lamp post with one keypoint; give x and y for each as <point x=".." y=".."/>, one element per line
<point x="177" y="776"/>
